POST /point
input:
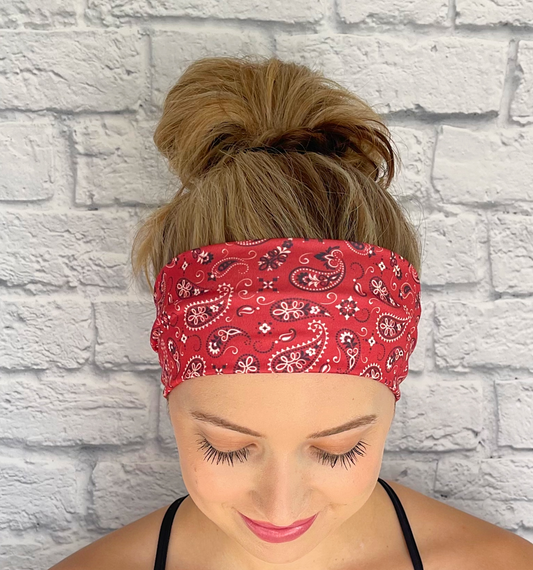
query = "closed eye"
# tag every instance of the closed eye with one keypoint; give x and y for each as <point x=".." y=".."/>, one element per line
<point x="242" y="454"/>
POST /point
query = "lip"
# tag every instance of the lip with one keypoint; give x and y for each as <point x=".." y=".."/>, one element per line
<point x="275" y="534"/>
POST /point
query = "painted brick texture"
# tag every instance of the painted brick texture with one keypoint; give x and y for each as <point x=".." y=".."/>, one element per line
<point x="86" y="445"/>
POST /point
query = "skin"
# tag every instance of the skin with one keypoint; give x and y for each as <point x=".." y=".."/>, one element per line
<point x="282" y="480"/>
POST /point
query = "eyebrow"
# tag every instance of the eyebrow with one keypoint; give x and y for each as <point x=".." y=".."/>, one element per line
<point x="221" y="422"/>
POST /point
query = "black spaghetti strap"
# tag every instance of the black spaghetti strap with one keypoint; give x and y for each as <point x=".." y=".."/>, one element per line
<point x="406" y="527"/>
<point x="164" y="534"/>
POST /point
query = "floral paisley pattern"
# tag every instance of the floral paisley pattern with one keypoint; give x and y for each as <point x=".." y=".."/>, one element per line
<point x="292" y="305"/>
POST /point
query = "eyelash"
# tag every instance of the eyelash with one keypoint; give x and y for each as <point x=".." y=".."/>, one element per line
<point x="242" y="454"/>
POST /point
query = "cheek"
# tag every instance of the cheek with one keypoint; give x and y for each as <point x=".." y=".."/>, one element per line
<point x="209" y="482"/>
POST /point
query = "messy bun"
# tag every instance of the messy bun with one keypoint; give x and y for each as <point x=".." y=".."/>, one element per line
<point x="265" y="148"/>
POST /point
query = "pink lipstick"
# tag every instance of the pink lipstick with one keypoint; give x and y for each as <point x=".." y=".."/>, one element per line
<point x="271" y="533"/>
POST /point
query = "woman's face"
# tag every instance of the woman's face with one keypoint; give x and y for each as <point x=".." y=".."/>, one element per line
<point x="281" y="474"/>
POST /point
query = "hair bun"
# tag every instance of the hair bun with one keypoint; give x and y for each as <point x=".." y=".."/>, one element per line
<point x="224" y="124"/>
<point x="326" y="139"/>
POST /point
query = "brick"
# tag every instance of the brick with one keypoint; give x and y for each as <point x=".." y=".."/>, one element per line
<point x="117" y="163"/>
<point x="34" y="161"/>
<point x="165" y="430"/>
<point x="53" y="270"/>
<point x="65" y="248"/>
<point x="510" y="515"/>
<point x="481" y="479"/>
<point x="126" y="491"/>
<point x="417" y="361"/>
<point x="522" y="102"/>
<point x="526" y="534"/>
<point x="40" y="332"/>
<point x="491" y="12"/>
<point x="515" y="414"/>
<point x="291" y="13"/>
<point x="457" y="477"/>
<point x="417" y="475"/>
<point x="483" y="167"/>
<point x="30" y="13"/>
<point x="73" y="409"/>
<point x="77" y="70"/>
<point x="423" y="423"/>
<point x="123" y="334"/>
<point x="511" y="253"/>
<point x="393" y="12"/>
<point x="37" y="492"/>
<point x="399" y="74"/>
<point x="488" y="334"/>
<point x="413" y="171"/>
<point x="173" y="52"/>
<point x="452" y="249"/>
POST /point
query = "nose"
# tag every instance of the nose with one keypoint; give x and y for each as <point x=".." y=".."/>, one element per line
<point x="282" y="495"/>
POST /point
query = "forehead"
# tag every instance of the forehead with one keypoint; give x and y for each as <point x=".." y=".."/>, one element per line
<point x="332" y="396"/>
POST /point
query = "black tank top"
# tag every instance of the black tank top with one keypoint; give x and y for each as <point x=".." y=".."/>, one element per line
<point x="166" y="527"/>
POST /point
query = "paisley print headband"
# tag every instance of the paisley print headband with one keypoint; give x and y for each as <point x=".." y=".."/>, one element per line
<point x="292" y="305"/>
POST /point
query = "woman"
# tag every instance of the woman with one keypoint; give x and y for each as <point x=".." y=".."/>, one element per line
<point x="282" y="356"/>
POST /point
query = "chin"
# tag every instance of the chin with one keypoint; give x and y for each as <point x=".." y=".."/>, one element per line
<point x="281" y="553"/>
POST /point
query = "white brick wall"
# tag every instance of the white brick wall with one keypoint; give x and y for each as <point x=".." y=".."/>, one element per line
<point x="85" y="443"/>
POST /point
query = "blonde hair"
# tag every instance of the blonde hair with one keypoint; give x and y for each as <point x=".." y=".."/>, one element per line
<point x="263" y="149"/>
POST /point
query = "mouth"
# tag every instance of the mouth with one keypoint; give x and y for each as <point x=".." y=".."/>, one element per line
<point x="275" y="534"/>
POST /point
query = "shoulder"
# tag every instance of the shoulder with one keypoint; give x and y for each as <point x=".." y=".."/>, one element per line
<point x="449" y="538"/>
<point x="514" y="552"/>
<point x="133" y="546"/>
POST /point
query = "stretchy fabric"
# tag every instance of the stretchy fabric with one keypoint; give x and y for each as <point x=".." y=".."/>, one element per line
<point x="286" y="306"/>
<point x="166" y="527"/>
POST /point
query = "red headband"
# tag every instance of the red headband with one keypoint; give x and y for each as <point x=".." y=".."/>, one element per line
<point x="286" y="305"/>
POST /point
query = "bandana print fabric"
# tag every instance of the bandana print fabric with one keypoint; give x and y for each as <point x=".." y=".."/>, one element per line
<point x="286" y="305"/>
